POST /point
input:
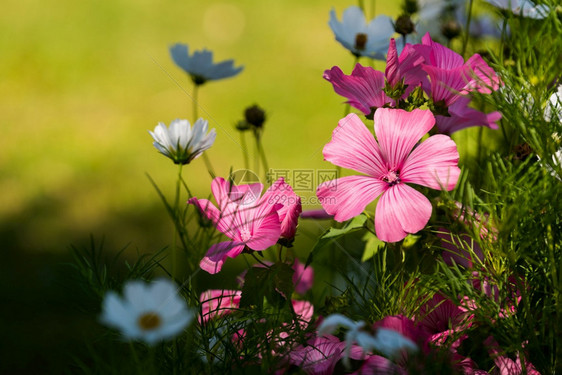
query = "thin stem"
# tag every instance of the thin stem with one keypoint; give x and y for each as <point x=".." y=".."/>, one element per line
<point x="261" y="153"/>
<point x="259" y="261"/>
<point x="467" y="28"/>
<point x="373" y="6"/>
<point x="176" y="231"/>
<point x="195" y="113"/>
<point x="361" y="5"/>
<point x="244" y="150"/>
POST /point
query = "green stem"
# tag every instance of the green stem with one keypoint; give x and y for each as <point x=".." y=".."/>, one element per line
<point x="176" y="231"/>
<point x="261" y="154"/>
<point x="361" y="5"/>
<point x="467" y="28"/>
<point x="244" y="150"/>
<point x="195" y="112"/>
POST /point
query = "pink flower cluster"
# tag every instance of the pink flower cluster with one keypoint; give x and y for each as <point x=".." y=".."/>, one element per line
<point x="442" y="74"/>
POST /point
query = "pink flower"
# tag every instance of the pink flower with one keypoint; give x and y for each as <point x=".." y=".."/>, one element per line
<point x="450" y="76"/>
<point x="303" y="278"/>
<point x="364" y="87"/>
<point x="319" y="356"/>
<point x="282" y="193"/>
<point x="389" y="164"/>
<point x="244" y="217"/>
<point x="217" y="302"/>
<point x="248" y="220"/>
<point x="459" y="251"/>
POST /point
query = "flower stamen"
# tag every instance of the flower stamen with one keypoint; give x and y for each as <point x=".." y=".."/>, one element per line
<point x="149" y="321"/>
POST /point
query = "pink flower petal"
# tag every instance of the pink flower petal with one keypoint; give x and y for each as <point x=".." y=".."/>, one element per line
<point x="434" y="164"/>
<point x="463" y="116"/>
<point x="398" y="131"/>
<point x="217" y="254"/>
<point x="206" y="208"/>
<point x="354" y="147"/>
<point x="441" y="56"/>
<point x="446" y="84"/>
<point x="363" y="88"/>
<point x="348" y="196"/>
<point x="401" y="210"/>
<point x="282" y="193"/>
<point x="264" y="226"/>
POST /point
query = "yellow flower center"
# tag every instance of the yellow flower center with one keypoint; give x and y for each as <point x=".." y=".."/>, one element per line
<point x="149" y="321"/>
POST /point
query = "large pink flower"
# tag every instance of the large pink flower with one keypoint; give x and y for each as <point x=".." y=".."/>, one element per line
<point x="244" y="217"/>
<point x="389" y="164"/>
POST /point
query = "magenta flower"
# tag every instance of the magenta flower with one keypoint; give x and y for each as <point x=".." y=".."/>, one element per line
<point x="216" y="302"/>
<point x="364" y="88"/>
<point x="450" y="76"/>
<point x="389" y="164"/>
<point x="319" y="356"/>
<point x="248" y="220"/>
<point x="303" y="278"/>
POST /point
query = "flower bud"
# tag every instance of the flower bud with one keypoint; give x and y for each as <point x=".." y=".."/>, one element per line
<point x="404" y="25"/>
<point x="255" y="116"/>
<point x="450" y="29"/>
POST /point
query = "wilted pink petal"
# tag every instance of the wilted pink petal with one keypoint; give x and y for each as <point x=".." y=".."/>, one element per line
<point x="217" y="302"/>
<point x="401" y="210"/>
<point x="303" y="278"/>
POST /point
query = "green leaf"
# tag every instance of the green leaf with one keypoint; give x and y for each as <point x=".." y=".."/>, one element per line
<point x="333" y="234"/>
<point x="274" y="283"/>
<point x="255" y="287"/>
<point x="372" y="246"/>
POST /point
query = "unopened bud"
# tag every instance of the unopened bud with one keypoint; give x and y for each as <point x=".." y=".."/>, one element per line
<point x="404" y="25"/>
<point x="450" y="29"/>
<point x="255" y="116"/>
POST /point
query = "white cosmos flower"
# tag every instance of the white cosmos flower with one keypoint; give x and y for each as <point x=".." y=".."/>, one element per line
<point x="524" y="8"/>
<point x="147" y="312"/>
<point x="182" y="143"/>
<point x="360" y="38"/>
<point x="385" y="341"/>
<point x="200" y="65"/>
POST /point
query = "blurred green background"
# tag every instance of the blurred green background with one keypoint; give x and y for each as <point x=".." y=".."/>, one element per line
<point x="82" y="82"/>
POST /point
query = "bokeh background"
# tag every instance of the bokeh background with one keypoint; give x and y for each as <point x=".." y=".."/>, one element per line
<point x="81" y="84"/>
